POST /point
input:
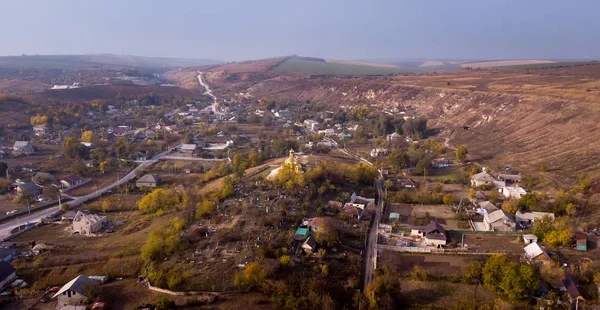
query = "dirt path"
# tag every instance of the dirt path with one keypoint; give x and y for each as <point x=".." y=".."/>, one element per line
<point x="216" y="184"/>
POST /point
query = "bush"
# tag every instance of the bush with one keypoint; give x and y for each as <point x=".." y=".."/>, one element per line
<point x="284" y="260"/>
<point x="164" y="303"/>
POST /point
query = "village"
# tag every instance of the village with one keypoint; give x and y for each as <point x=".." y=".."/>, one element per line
<point x="241" y="192"/>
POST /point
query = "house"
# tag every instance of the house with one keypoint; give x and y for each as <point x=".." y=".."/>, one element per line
<point x="512" y="192"/>
<point x="7" y="254"/>
<point x="344" y="136"/>
<point x="440" y="163"/>
<point x="534" y="253"/>
<point x="71" y="181"/>
<point x="486" y="207"/>
<point x="86" y="224"/>
<point x="581" y="244"/>
<point x="76" y="291"/>
<point x="510" y="178"/>
<point x="150" y="134"/>
<point x="68" y="216"/>
<point x="301" y="233"/>
<point x="481" y="179"/>
<point x="355" y="210"/>
<point x="28" y="189"/>
<point x="311" y="124"/>
<point x="480" y="196"/>
<point x="148" y="180"/>
<point x="42" y="178"/>
<point x="7" y="274"/>
<point x="432" y="233"/>
<point x="23" y="147"/>
<point x="406" y="183"/>
<point x="393" y="137"/>
<point x="571" y="287"/>
<point x="314" y="223"/>
<point x="526" y="219"/>
<point x="284" y="113"/>
<point x="378" y="152"/>
<point x="188" y="148"/>
<point x="39" y="130"/>
<point x="309" y="245"/>
<point x="530" y="238"/>
<point x="327" y="132"/>
<point x="499" y="220"/>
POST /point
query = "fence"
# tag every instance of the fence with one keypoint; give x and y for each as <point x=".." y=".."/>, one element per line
<point x="458" y="251"/>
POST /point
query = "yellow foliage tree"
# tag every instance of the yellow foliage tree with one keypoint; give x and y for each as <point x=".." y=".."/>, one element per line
<point x="88" y="136"/>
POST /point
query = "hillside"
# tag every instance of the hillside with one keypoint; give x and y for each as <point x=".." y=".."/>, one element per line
<point x="81" y="62"/>
<point x="517" y="118"/>
<point x="323" y="66"/>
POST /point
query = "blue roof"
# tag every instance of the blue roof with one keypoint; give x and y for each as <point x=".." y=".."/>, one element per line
<point x="302" y="231"/>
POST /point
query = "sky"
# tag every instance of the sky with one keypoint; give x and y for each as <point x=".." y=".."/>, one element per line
<point x="234" y="30"/>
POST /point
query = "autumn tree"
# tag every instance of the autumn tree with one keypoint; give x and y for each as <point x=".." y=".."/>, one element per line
<point x="461" y="153"/>
<point x="507" y="278"/>
<point x="88" y="136"/>
<point x="449" y="199"/>
<point x="327" y="232"/>
<point x="73" y="149"/>
<point x="251" y="277"/>
<point x="384" y="292"/>
<point x="204" y="208"/>
<point x="188" y="138"/>
<point x="159" y="199"/>
<point x="39" y="120"/>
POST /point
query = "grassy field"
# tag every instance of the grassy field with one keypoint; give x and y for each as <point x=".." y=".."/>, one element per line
<point x="298" y="65"/>
<point x="546" y="65"/>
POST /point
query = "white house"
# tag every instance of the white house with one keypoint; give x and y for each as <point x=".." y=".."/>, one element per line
<point x="530" y="238"/>
<point x="534" y="253"/>
<point x="311" y="124"/>
<point x="23" y="147"/>
<point x="76" y="291"/>
<point x="499" y="220"/>
<point x="512" y="192"/>
<point x="87" y="224"/>
<point x="526" y="219"/>
<point x="378" y="152"/>
<point x="482" y="178"/>
<point x="432" y="233"/>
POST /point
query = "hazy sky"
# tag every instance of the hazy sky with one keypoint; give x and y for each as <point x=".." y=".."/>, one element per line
<point x="248" y="29"/>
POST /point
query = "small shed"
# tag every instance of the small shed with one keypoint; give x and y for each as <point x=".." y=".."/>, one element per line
<point x="309" y="245"/>
<point x="301" y="233"/>
<point x="529" y="238"/>
<point x="394" y="216"/>
<point x="581" y="241"/>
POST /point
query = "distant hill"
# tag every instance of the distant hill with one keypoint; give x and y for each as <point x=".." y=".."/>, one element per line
<point x="94" y="61"/>
<point x="314" y="65"/>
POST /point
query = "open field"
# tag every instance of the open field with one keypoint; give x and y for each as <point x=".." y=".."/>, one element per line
<point x="503" y="63"/>
<point x="297" y="65"/>
<point x="360" y="63"/>
<point x="443" y="295"/>
<point x="436" y="265"/>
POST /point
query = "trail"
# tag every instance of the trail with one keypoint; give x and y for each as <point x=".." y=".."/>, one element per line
<point x="208" y="92"/>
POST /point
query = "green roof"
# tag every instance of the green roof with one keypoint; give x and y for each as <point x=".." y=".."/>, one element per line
<point x="302" y="231"/>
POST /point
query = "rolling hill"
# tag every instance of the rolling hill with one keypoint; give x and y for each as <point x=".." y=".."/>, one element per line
<point x="93" y="61"/>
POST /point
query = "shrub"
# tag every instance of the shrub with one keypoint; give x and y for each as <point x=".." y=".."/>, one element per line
<point x="164" y="303"/>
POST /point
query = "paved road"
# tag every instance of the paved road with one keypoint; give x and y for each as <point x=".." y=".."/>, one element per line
<point x="371" y="251"/>
<point x="208" y="92"/>
<point x="372" y="236"/>
<point x="7" y="227"/>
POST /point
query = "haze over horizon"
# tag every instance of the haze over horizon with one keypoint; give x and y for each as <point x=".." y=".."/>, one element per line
<point x="238" y="30"/>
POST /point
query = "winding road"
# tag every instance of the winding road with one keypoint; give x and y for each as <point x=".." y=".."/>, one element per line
<point x="208" y="92"/>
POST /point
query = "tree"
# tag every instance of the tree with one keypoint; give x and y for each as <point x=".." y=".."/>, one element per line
<point x="88" y="136"/>
<point x="188" y="138"/>
<point x="384" y="292"/>
<point x="204" y="208"/>
<point x="327" y="232"/>
<point x="159" y="199"/>
<point x="178" y="223"/>
<point x="472" y="272"/>
<point x="3" y="168"/>
<point x="51" y="192"/>
<point x="284" y="260"/>
<point x="39" y="120"/>
<point x="543" y="226"/>
<point x="252" y="276"/>
<point x="449" y="199"/>
<point x="73" y="149"/>
<point x="472" y="193"/>
<point x="507" y="278"/>
<point x="461" y="153"/>
<point x="77" y="167"/>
